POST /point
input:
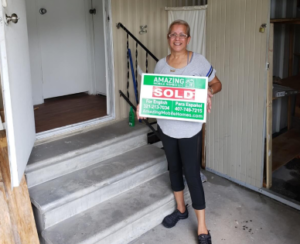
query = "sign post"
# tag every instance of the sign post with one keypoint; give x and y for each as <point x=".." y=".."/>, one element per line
<point x="174" y="97"/>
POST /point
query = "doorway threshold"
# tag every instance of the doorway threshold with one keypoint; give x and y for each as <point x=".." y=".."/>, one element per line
<point x="68" y="130"/>
<point x="264" y="191"/>
<point x="283" y="199"/>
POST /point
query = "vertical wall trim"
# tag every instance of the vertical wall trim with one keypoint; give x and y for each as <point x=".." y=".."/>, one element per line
<point x="268" y="134"/>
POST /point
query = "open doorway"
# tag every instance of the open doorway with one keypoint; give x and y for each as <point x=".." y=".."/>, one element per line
<point x="67" y="44"/>
<point x="283" y="117"/>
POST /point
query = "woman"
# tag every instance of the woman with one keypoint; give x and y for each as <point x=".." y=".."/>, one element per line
<point x="181" y="138"/>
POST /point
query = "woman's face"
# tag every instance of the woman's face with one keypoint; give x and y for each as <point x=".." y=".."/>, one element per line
<point x="178" y="44"/>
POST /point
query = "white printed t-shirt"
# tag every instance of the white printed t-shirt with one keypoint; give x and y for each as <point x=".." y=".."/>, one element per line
<point x="198" y="66"/>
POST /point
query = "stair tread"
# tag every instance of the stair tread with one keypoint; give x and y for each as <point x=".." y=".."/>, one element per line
<point x="71" y="145"/>
<point x="108" y="217"/>
<point x="66" y="188"/>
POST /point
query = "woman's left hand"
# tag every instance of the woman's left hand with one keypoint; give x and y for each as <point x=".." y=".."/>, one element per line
<point x="209" y="96"/>
<point x="216" y="85"/>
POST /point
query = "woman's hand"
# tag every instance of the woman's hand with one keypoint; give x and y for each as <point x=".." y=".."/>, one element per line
<point x="138" y="113"/>
<point x="209" y="96"/>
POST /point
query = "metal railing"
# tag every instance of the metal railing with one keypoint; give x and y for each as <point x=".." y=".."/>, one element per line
<point x="120" y="25"/>
<point x="138" y="43"/>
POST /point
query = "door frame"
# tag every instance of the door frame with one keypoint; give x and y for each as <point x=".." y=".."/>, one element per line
<point x="268" y="117"/>
<point x="110" y="84"/>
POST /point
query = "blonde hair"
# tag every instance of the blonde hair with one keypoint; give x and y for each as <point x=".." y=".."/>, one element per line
<point x="180" y="22"/>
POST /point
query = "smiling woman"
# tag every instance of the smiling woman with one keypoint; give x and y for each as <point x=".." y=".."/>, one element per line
<point x="181" y="139"/>
<point x="179" y="37"/>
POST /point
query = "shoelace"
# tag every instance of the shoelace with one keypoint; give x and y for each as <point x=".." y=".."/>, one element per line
<point x="174" y="216"/>
<point x="203" y="240"/>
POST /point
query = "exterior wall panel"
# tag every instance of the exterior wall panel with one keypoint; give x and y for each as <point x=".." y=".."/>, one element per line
<point x="237" y="50"/>
<point x="132" y="14"/>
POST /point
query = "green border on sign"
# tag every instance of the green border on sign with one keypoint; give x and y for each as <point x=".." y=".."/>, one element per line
<point x="175" y="81"/>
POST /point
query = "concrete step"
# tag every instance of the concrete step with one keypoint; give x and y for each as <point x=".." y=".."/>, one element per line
<point x="118" y="220"/>
<point x="51" y="160"/>
<point x="66" y="196"/>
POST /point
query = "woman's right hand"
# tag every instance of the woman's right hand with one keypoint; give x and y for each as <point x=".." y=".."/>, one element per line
<point x="138" y="113"/>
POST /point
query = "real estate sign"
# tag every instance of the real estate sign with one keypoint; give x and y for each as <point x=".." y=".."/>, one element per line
<point x="174" y="97"/>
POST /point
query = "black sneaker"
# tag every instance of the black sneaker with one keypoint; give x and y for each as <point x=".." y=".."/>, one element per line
<point x="172" y="219"/>
<point x="204" y="239"/>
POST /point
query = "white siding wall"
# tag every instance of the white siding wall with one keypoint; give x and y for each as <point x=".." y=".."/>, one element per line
<point x="132" y="14"/>
<point x="237" y="50"/>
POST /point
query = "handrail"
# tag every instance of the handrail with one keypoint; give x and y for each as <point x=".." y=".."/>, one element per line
<point x="134" y="38"/>
<point x="147" y="52"/>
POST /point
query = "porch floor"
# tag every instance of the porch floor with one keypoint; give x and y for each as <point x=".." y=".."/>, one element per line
<point x="234" y="215"/>
<point x="66" y="110"/>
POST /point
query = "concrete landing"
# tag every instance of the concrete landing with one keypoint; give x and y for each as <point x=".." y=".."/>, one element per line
<point x="119" y="219"/>
<point x="105" y="135"/>
<point x="235" y="215"/>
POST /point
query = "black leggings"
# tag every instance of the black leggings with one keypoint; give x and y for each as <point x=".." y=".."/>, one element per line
<point x="185" y="154"/>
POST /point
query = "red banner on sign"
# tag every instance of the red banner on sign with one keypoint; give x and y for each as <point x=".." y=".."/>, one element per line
<point x="173" y="93"/>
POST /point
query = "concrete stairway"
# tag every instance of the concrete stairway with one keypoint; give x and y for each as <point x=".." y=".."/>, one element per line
<point x="101" y="186"/>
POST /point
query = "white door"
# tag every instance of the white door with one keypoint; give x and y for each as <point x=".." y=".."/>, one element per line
<point x="98" y="27"/>
<point x="16" y="88"/>
<point x="64" y="41"/>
